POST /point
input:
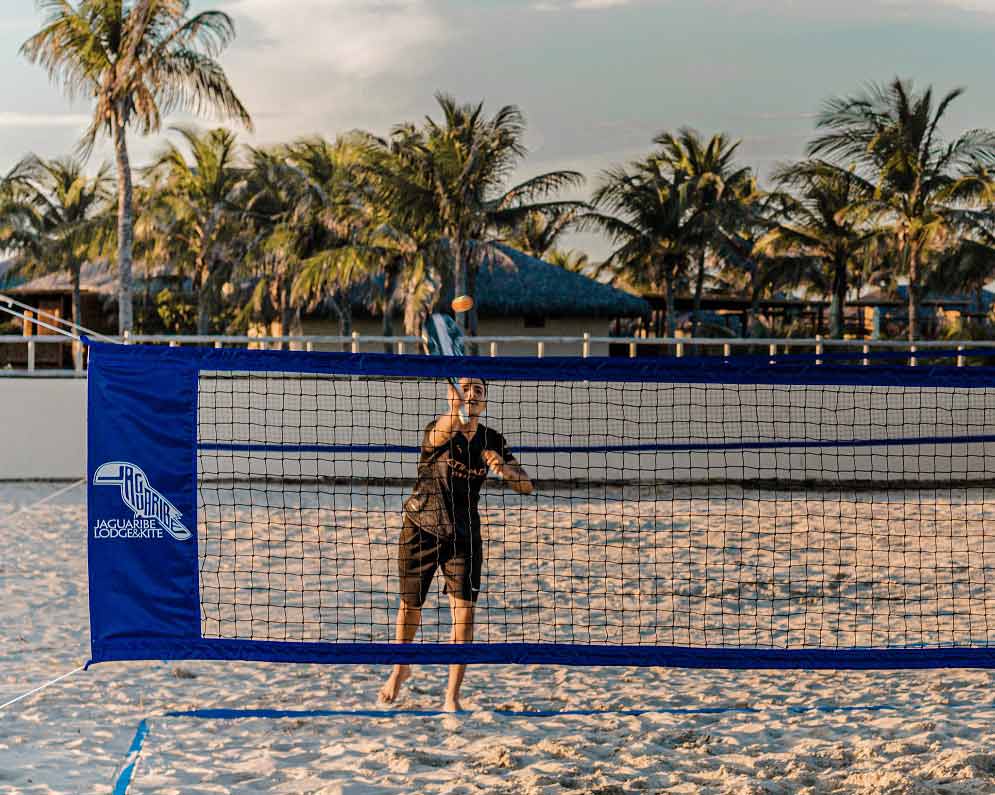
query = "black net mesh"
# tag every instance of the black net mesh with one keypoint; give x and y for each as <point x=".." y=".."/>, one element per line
<point x="768" y="516"/>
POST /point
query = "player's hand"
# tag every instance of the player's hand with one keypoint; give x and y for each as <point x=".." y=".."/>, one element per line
<point x="455" y="402"/>
<point x="493" y="460"/>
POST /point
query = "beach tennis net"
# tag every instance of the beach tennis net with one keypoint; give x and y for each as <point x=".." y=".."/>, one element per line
<point x="711" y="507"/>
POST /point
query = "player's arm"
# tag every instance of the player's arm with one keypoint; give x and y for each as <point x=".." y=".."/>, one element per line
<point x="510" y="471"/>
<point x="448" y="424"/>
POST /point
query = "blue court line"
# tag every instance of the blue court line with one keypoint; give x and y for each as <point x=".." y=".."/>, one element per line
<point x="124" y="778"/>
<point x="650" y="447"/>
<point x="240" y="714"/>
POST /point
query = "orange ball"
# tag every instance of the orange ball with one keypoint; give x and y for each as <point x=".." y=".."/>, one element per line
<point x="462" y="303"/>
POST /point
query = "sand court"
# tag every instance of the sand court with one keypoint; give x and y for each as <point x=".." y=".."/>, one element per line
<point x="774" y="732"/>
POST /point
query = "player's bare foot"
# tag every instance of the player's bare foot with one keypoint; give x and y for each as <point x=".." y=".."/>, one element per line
<point x="452" y="704"/>
<point x="391" y="688"/>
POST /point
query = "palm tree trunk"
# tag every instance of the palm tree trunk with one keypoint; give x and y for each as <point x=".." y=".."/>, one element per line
<point x="751" y="316"/>
<point x="203" y="300"/>
<point x="77" y="300"/>
<point x="125" y="226"/>
<point x="77" y="309"/>
<point x="459" y="275"/>
<point x="699" y="286"/>
<point x="345" y="318"/>
<point x="389" y="285"/>
<point x="914" y="296"/>
<point x="286" y="316"/>
<point x="838" y="298"/>
<point x="471" y="290"/>
<point x="669" y="288"/>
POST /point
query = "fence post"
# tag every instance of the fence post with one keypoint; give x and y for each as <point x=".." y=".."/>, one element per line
<point x="540" y="349"/>
<point x="78" y="356"/>
<point x="679" y="350"/>
<point x="960" y="355"/>
<point x="632" y="350"/>
<point x="31" y="355"/>
<point x="726" y="350"/>
<point x="866" y="350"/>
<point x="217" y="343"/>
<point x="818" y="348"/>
<point x="127" y="337"/>
<point x="355" y="342"/>
<point x="493" y="349"/>
<point x="772" y="351"/>
<point x="400" y="347"/>
<point x="586" y="348"/>
<point x="912" y="358"/>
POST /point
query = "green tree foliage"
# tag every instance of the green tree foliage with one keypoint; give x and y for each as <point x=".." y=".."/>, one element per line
<point x="139" y="60"/>
<point x="204" y="193"/>
<point x="57" y="218"/>
<point x="924" y="185"/>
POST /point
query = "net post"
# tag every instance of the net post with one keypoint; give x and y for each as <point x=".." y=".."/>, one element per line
<point x="818" y="348"/>
<point x="912" y="355"/>
<point x="78" y="357"/>
<point x="493" y="349"/>
<point x="960" y="355"/>
<point x="355" y="342"/>
<point x="586" y="347"/>
<point x="866" y="351"/>
<point x="540" y="349"/>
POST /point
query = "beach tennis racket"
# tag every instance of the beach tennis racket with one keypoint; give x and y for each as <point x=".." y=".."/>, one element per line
<point x="444" y="338"/>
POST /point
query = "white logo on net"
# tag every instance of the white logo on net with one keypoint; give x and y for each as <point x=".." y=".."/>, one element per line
<point x="152" y="510"/>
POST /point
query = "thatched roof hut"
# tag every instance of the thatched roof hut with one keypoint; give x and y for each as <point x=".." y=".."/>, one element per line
<point x="517" y="284"/>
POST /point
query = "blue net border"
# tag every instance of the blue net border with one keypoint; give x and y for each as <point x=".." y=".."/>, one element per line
<point x="881" y="369"/>
<point x="545" y="654"/>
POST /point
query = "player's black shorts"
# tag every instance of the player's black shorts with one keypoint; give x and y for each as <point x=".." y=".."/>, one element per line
<point x="460" y="558"/>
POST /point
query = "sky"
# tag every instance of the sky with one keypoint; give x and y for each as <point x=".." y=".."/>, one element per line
<point x="596" y="79"/>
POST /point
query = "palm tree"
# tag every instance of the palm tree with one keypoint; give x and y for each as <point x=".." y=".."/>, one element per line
<point x="205" y="197"/>
<point x="924" y="185"/>
<point x="651" y="216"/>
<point x="62" y="216"/>
<point x="720" y="188"/>
<point x="140" y="60"/>
<point x="451" y="176"/>
<point x="538" y="232"/>
<point x="816" y="224"/>
<point x="336" y="228"/>
<point x="750" y="269"/>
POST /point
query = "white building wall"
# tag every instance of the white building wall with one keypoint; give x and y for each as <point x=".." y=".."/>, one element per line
<point x="44" y="428"/>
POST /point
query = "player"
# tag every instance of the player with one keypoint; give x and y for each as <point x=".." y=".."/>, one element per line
<point x="441" y="527"/>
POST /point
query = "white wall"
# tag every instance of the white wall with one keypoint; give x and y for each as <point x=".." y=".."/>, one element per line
<point x="43" y="424"/>
<point x="44" y="429"/>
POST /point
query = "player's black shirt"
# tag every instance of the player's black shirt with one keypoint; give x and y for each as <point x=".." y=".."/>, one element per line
<point x="445" y="497"/>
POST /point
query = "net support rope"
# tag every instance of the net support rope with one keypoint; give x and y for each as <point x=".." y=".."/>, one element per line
<point x="7" y="519"/>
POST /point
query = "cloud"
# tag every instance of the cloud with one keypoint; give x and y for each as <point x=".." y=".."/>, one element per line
<point x="361" y="38"/>
<point x="325" y="66"/>
<point x="14" y="119"/>
<point x="580" y="5"/>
